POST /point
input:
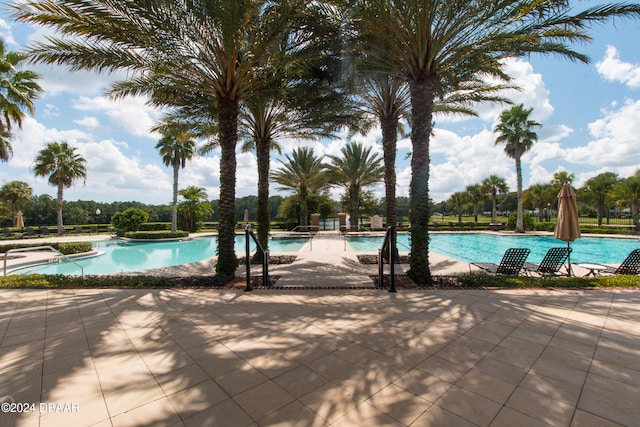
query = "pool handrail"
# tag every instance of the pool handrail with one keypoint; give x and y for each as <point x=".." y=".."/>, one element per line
<point x="388" y="244"/>
<point x="36" y="248"/>
<point x="265" y="259"/>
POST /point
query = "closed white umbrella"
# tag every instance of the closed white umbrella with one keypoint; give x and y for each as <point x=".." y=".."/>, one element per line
<point x="19" y="220"/>
<point x="568" y="226"/>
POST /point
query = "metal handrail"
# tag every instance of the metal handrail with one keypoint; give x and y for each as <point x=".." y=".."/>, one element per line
<point x="36" y="248"/>
<point x="265" y="259"/>
<point x="389" y="246"/>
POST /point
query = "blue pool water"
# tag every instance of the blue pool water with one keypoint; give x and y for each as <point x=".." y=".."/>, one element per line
<point x="481" y="247"/>
<point x="120" y="256"/>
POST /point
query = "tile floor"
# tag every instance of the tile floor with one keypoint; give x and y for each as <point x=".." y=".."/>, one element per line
<point x="321" y="358"/>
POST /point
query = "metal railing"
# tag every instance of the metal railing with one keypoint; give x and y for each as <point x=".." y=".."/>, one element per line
<point x="39" y="248"/>
<point x="265" y="259"/>
<point x="389" y="247"/>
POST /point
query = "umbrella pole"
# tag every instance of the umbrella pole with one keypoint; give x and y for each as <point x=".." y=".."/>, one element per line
<point x="569" y="257"/>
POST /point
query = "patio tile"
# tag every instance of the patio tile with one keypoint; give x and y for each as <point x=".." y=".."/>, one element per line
<point x="468" y="405"/>
<point x="364" y="415"/>
<point x="487" y="386"/>
<point x="330" y="401"/>
<point x="158" y="412"/>
<point x="263" y="399"/>
<point x="295" y="414"/>
<point x="197" y="398"/>
<point x="517" y="352"/>
<point x="226" y="413"/>
<point x="543" y="408"/>
<point x="331" y="367"/>
<point x="436" y="416"/>
<point x="611" y="400"/>
<point x="124" y="398"/>
<point x="300" y="381"/>
<point x="444" y="369"/>
<point x="508" y="417"/>
<point x="240" y="380"/>
<point x="182" y="378"/>
<point x="399" y="404"/>
<point x="585" y="419"/>
<point x="423" y="385"/>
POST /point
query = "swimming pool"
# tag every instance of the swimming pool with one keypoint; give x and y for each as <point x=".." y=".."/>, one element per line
<point x="120" y="256"/>
<point x="484" y="247"/>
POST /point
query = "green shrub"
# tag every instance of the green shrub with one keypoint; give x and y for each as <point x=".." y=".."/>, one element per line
<point x="59" y="281"/>
<point x="527" y="221"/>
<point x="129" y="220"/>
<point x="155" y="226"/>
<point x="156" y="235"/>
<point x="490" y="281"/>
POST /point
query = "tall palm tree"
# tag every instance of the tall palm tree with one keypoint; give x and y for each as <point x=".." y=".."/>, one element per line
<point x="458" y="200"/>
<point x="16" y="193"/>
<point x="175" y="52"/>
<point x="628" y="191"/>
<point x="18" y="91"/>
<point x="440" y="46"/>
<point x="356" y="168"/>
<point x="63" y="166"/>
<point x="304" y="173"/>
<point x="492" y="186"/>
<point x="599" y="190"/>
<point x="515" y="130"/>
<point x="176" y="148"/>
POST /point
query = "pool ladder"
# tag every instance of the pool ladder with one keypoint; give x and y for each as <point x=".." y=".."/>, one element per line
<point x="39" y="248"/>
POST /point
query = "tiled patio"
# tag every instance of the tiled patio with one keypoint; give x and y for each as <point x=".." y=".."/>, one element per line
<point x="321" y="358"/>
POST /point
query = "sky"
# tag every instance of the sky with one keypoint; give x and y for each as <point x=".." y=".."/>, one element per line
<point x="590" y="116"/>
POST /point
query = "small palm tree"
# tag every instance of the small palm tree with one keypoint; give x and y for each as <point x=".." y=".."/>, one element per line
<point x="60" y="162"/>
<point x="356" y="168"/>
<point x="195" y="207"/>
<point x="18" y="90"/>
<point x="493" y="186"/>
<point x="176" y="148"/>
<point x="475" y="196"/>
<point x="304" y="173"/>
<point x="515" y="130"/>
<point x="599" y="190"/>
<point x="16" y="193"/>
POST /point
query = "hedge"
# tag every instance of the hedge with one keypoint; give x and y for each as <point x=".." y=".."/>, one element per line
<point x="154" y="235"/>
<point x="480" y="280"/>
<point x="67" y="248"/>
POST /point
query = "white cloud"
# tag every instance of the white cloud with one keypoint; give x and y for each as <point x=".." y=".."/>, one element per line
<point x="89" y="122"/>
<point x="5" y="33"/>
<point x="613" y="69"/>
<point x="616" y="138"/>
<point x="131" y="114"/>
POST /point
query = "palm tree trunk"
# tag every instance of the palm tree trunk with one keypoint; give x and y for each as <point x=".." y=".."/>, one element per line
<point x="263" y="216"/>
<point x="422" y="96"/>
<point x="59" y="207"/>
<point x="519" y="217"/>
<point x="174" y="206"/>
<point x="353" y="207"/>
<point x="304" y="207"/>
<point x="228" y="122"/>
<point x="389" y="144"/>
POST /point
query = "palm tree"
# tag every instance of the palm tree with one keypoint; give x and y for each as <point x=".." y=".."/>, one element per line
<point x="210" y="52"/>
<point x="515" y="130"/>
<point x="60" y="162"/>
<point x="194" y="208"/>
<point x="18" y="90"/>
<point x="599" y="190"/>
<point x="441" y="46"/>
<point x="356" y="168"/>
<point x="492" y="186"/>
<point x="176" y="148"/>
<point x="304" y="173"/>
<point x="475" y="196"/>
<point x="540" y="196"/>
<point x="628" y="191"/>
<point x="458" y="200"/>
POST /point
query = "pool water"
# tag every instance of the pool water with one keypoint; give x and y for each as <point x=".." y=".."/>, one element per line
<point x="120" y="256"/>
<point x="481" y="247"/>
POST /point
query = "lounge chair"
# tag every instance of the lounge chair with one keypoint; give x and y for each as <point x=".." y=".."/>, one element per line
<point x="551" y="264"/>
<point x="511" y="264"/>
<point x="630" y="265"/>
<point x="31" y="232"/>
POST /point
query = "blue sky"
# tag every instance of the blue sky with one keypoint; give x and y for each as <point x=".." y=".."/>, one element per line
<point x="590" y="116"/>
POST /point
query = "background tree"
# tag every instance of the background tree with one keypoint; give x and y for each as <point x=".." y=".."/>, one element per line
<point x="492" y="186"/>
<point x="627" y="191"/>
<point x="176" y="147"/>
<point x="194" y="209"/>
<point x="599" y="190"/>
<point x="355" y="168"/>
<point x="515" y="130"/>
<point x="305" y="174"/>
<point x="129" y="220"/>
<point x="16" y="194"/>
<point x="475" y="195"/>
<point x="18" y="91"/>
<point x="63" y="166"/>
<point x="457" y="201"/>
<point x="540" y="197"/>
<point x="442" y="46"/>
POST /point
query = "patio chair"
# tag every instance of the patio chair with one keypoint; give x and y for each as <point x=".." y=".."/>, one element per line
<point x="510" y="265"/>
<point x="630" y="265"/>
<point x="6" y="233"/>
<point x="31" y="232"/>
<point x="44" y="231"/>
<point x="551" y="264"/>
